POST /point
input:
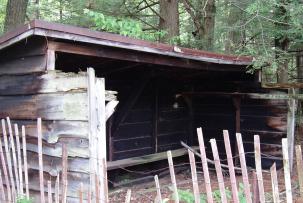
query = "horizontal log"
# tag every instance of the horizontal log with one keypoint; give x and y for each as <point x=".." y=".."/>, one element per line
<point x="52" y="82"/>
<point x="71" y="106"/>
<point x="53" y="131"/>
<point x="32" y="64"/>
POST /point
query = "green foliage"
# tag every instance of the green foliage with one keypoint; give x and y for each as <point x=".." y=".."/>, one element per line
<point x="23" y="199"/>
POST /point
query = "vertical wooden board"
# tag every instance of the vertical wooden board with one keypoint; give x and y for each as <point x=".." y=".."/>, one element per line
<point x="218" y="170"/>
<point x="128" y="196"/>
<point x="259" y="168"/>
<point x="81" y="193"/>
<point x="291" y="130"/>
<point x="204" y="166"/>
<point x="274" y="184"/>
<point x="256" y="197"/>
<point x="9" y="160"/>
<point x="231" y="168"/>
<point x="49" y="192"/>
<point x="64" y="173"/>
<point x="41" y="178"/>
<point x="24" y="149"/>
<point x="50" y="59"/>
<point x="243" y="168"/>
<point x="299" y="168"/>
<point x="5" y="173"/>
<point x="2" y="192"/>
<point x="19" y="155"/>
<point x="57" y="189"/>
<point x="286" y="170"/>
<point x="194" y="176"/>
<point x="159" y="196"/>
<point x="172" y="176"/>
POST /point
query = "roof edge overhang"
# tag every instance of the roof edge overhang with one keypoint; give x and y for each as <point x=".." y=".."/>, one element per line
<point x="84" y="35"/>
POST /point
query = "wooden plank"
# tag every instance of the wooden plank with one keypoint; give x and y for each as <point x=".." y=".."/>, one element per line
<point x="231" y="168"/>
<point x="291" y="117"/>
<point x="274" y="183"/>
<point x="101" y="138"/>
<point x="5" y="173"/>
<point x="57" y="189"/>
<point x="194" y="176"/>
<point x="218" y="170"/>
<point x="71" y="106"/>
<point x="13" y="151"/>
<point x="49" y="191"/>
<point x="23" y="65"/>
<point x="286" y="171"/>
<point x="128" y="196"/>
<point x="9" y="160"/>
<point x="299" y="168"/>
<point x="259" y="168"/>
<point x="17" y="137"/>
<point x="144" y="159"/>
<point x="159" y="196"/>
<point x="92" y="121"/>
<point x="2" y="192"/>
<point x="255" y="188"/>
<point x="64" y="173"/>
<point x="41" y="178"/>
<point x="172" y="176"/>
<point x="205" y="166"/>
<point x="24" y="148"/>
<point x="244" y="168"/>
<point x="81" y="193"/>
<point x="50" y="59"/>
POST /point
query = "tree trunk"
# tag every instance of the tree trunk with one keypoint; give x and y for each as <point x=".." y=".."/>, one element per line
<point x="169" y="18"/>
<point x="209" y="24"/>
<point x="15" y="14"/>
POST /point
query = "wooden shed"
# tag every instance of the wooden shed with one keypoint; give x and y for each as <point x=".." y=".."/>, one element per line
<point x="165" y="92"/>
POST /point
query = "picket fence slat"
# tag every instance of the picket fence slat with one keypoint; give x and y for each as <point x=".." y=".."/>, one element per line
<point x="173" y="177"/>
<point x="288" y="189"/>
<point x="274" y="183"/>
<point x="259" y="168"/>
<point x="299" y="168"/>
<point x="194" y="176"/>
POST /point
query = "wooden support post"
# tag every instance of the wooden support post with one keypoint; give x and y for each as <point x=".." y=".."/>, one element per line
<point x="244" y="169"/>
<point x="205" y="166"/>
<point x="19" y="156"/>
<point x="218" y="170"/>
<point x="64" y="173"/>
<point x="231" y="168"/>
<point x="40" y="154"/>
<point x="291" y="130"/>
<point x="259" y="168"/>
<point x="57" y="189"/>
<point x="5" y="174"/>
<point x="194" y="176"/>
<point x="274" y="183"/>
<point x="51" y="58"/>
<point x="24" y="149"/>
<point x="159" y="196"/>
<point x="9" y="161"/>
<point x="299" y="168"/>
<point x="286" y="170"/>
<point x="128" y="196"/>
<point x="13" y="148"/>
<point x="172" y="176"/>
<point x="49" y="192"/>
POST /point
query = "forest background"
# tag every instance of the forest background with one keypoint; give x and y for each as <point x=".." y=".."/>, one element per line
<point x="271" y="31"/>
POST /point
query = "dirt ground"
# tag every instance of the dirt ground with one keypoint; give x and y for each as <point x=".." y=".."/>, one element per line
<point x="146" y="192"/>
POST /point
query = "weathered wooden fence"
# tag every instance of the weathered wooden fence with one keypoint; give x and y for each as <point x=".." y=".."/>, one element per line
<point x="14" y="172"/>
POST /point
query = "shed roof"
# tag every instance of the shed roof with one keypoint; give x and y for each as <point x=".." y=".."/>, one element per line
<point x="78" y="34"/>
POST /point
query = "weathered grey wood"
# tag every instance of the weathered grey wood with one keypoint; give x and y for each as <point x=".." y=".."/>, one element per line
<point x="13" y="151"/>
<point x="159" y="196"/>
<point x="218" y="170"/>
<point x="299" y="168"/>
<point x="244" y="168"/>
<point x="50" y="82"/>
<point x="24" y="149"/>
<point x="81" y="193"/>
<point x="57" y="189"/>
<point x="49" y="192"/>
<point x="2" y="192"/>
<point x="286" y="170"/>
<point x="53" y="131"/>
<point x="128" y="196"/>
<point x="50" y="59"/>
<point x="71" y="106"/>
<point x="194" y="176"/>
<point x="291" y="130"/>
<point x="9" y="160"/>
<point x="41" y="178"/>
<point x="204" y="165"/>
<point x="259" y="168"/>
<point x="64" y="173"/>
<point x="231" y="168"/>
<point x="23" y="65"/>
<point x="274" y="184"/>
<point x="5" y="173"/>
<point x="172" y="176"/>
<point x="17" y="137"/>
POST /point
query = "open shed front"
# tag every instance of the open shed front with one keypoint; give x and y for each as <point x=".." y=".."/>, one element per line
<point x="164" y="93"/>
